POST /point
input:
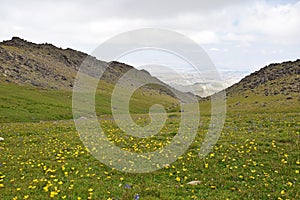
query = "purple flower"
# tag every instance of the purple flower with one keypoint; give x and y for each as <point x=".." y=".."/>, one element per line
<point x="127" y="186"/>
<point x="137" y="197"/>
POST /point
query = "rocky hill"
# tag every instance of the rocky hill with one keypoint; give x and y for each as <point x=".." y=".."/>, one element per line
<point x="41" y="65"/>
<point x="36" y="82"/>
<point x="274" y="79"/>
<point x="49" y="67"/>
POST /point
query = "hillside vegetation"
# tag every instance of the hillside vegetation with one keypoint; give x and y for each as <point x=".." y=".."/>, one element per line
<point x="256" y="156"/>
<point x="36" y="82"/>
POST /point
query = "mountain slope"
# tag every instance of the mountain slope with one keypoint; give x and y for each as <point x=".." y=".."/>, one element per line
<point x="42" y="65"/>
<point x="274" y="79"/>
<point x="273" y="88"/>
<point x="46" y="66"/>
<point x="28" y="71"/>
<point x="36" y="83"/>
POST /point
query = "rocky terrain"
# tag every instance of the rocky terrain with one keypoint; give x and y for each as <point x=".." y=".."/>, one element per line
<point x="274" y="79"/>
<point x="49" y="67"/>
<point x="41" y="65"/>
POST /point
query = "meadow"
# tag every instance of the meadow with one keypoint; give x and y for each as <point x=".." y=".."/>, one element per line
<point x="256" y="157"/>
<point x="42" y="156"/>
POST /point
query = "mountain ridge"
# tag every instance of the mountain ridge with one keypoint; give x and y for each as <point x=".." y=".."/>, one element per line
<point x="273" y="79"/>
<point x="50" y="67"/>
<point x="47" y="66"/>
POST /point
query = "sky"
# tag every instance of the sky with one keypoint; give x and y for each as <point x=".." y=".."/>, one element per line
<point x="240" y="36"/>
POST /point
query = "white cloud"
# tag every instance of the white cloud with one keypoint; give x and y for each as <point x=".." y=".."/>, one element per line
<point x="274" y="24"/>
<point x="205" y="37"/>
<point x="214" y="49"/>
<point x="241" y="39"/>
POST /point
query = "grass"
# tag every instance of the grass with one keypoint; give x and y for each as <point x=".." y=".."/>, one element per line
<point x="42" y="156"/>
<point x="31" y="104"/>
<point x="23" y="103"/>
<point x="256" y="157"/>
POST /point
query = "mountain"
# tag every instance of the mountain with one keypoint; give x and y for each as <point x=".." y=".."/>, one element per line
<point x="36" y="81"/>
<point x="43" y="65"/>
<point x="278" y="78"/>
<point x="203" y="87"/>
<point x="273" y="88"/>
<point x="46" y="66"/>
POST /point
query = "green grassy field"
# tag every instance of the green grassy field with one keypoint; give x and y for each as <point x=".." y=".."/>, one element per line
<point x="29" y="104"/>
<point x="42" y="156"/>
<point x="256" y="157"/>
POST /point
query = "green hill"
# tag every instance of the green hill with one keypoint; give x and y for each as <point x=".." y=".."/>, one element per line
<point x="274" y="88"/>
<point x="36" y="82"/>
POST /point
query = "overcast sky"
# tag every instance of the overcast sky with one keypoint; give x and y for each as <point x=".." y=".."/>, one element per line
<point x="237" y="35"/>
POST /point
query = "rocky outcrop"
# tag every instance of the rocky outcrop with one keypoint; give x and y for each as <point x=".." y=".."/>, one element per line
<point x="274" y="79"/>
